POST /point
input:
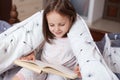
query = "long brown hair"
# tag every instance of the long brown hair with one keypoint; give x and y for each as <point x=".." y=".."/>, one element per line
<point x="63" y="7"/>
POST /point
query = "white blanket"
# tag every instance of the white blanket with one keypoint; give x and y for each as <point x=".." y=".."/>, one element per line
<point x="19" y="40"/>
<point x="24" y="37"/>
<point x="92" y="64"/>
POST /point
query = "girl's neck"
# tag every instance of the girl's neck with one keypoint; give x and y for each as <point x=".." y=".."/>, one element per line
<point x="61" y="38"/>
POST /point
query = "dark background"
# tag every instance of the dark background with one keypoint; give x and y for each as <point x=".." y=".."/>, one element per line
<point x="5" y="8"/>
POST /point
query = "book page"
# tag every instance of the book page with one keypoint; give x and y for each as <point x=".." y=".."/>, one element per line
<point x="36" y="62"/>
<point x="38" y="65"/>
<point x="56" y="69"/>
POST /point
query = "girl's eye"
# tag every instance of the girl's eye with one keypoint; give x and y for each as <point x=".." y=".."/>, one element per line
<point x="62" y="24"/>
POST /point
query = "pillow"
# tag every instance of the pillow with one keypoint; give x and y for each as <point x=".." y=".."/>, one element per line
<point x="4" y="26"/>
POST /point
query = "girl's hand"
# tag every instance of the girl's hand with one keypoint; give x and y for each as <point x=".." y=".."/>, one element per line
<point x="31" y="56"/>
<point x="77" y="71"/>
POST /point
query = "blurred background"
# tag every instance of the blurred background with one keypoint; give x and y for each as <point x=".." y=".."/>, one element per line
<point x="99" y="14"/>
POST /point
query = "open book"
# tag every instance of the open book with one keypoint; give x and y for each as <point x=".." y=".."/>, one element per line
<point x="39" y="66"/>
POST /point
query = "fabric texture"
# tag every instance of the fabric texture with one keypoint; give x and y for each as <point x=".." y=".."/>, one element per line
<point x="19" y="40"/>
<point x="110" y="48"/>
<point x="111" y="52"/>
<point x="24" y="37"/>
<point x="91" y="62"/>
<point x="60" y="52"/>
<point x="4" y="26"/>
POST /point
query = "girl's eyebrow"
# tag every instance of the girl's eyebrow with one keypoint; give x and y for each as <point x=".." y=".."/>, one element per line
<point x="50" y="23"/>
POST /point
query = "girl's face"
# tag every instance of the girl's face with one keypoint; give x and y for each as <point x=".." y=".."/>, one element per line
<point x="58" y="24"/>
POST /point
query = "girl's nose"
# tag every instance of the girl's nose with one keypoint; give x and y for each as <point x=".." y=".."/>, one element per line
<point x="57" y="28"/>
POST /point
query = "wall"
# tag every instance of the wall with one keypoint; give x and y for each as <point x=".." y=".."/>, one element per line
<point x="27" y="8"/>
<point x="81" y="7"/>
<point x="96" y="8"/>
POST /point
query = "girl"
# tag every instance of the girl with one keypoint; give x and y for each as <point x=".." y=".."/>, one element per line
<point x="58" y="17"/>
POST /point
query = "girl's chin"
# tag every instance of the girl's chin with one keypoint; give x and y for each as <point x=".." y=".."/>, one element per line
<point x="58" y="36"/>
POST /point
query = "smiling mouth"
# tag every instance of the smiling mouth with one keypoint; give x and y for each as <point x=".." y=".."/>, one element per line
<point x="58" y="33"/>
